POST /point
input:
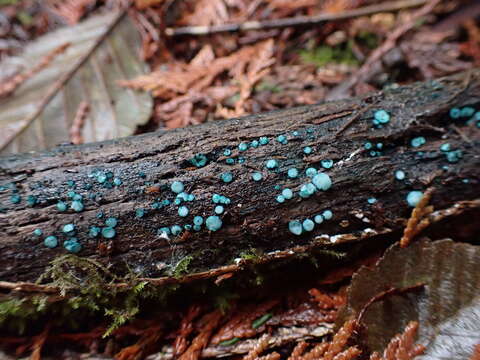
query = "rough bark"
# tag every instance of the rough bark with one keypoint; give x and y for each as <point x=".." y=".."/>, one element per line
<point x="254" y="219"/>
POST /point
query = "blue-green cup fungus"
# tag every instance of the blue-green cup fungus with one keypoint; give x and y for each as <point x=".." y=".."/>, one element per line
<point x="68" y="228"/>
<point x="72" y="245"/>
<point x="327" y="215"/>
<point x="292" y="173"/>
<point x="322" y="181"/>
<point x="51" y="241"/>
<point x="308" y="225"/>
<point x="295" y="227"/>
<point x="177" y="187"/>
<point x="271" y="164"/>
<point x="108" y="232"/>
<point x="256" y="176"/>
<point x="226" y="177"/>
<point x="287" y="193"/>
<point x="414" y="197"/>
<point x="183" y="211"/>
<point x="213" y="223"/>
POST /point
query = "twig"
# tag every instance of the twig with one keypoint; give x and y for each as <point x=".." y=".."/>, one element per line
<point x="354" y="117"/>
<point x="296" y="21"/>
<point x="384" y="294"/>
<point x="58" y="85"/>
<point x="418" y="220"/>
<point x="363" y="72"/>
<point x="78" y="122"/>
<point x="10" y="85"/>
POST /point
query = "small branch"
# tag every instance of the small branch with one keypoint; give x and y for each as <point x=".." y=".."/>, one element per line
<point x="364" y="71"/>
<point x="10" y="85"/>
<point x="296" y="21"/>
<point x="78" y="122"/>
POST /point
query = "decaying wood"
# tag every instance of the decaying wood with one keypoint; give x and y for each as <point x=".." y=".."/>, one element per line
<point x="254" y="219"/>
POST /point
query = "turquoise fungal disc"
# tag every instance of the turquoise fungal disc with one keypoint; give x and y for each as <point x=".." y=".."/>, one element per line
<point x="455" y="113"/>
<point x="68" y="228"/>
<point x="108" y="232"/>
<point x="295" y="227"/>
<point x="94" y="231"/>
<point x="254" y="144"/>
<point x="227" y="177"/>
<point x="454" y="156"/>
<point x="382" y="116"/>
<point x="414" y="197"/>
<point x="327" y="163"/>
<point x="77" y="205"/>
<point x="72" y="245"/>
<point x="190" y="197"/>
<point x="111" y="222"/>
<point x="368" y="146"/>
<point x="306" y="190"/>
<point x="467" y="111"/>
<point x="327" y="214"/>
<point x="308" y="225"/>
<point x="101" y="178"/>
<point x="307" y="150"/>
<point x="213" y="223"/>
<point x="15" y="199"/>
<point x="318" y="219"/>
<point x="280" y="199"/>
<point x="371" y="200"/>
<point x="418" y="141"/>
<point x="31" y="200"/>
<point x="219" y="209"/>
<point x="139" y="213"/>
<point x="230" y="161"/>
<point x="61" y="206"/>
<point x="197" y="227"/>
<point x="445" y="147"/>
<point x="282" y="139"/>
<point x="263" y="140"/>
<point x="38" y="232"/>
<point x="216" y="198"/>
<point x="164" y="230"/>
<point x="183" y="211"/>
<point x="198" y="220"/>
<point x="176" y="230"/>
<point x="187" y="227"/>
<point x="271" y="164"/>
<point x="256" y="176"/>
<point x="399" y="175"/>
<point x="117" y="181"/>
<point x="322" y="181"/>
<point x="310" y="172"/>
<point x="177" y="187"/>
<point x="50" y="241"/>
<point x="227" y="152"/>
<point x="199" y="160"/>
<point x="292" y="173"/>
<point x="287" y="193"/>
<point x="243" y="146"/>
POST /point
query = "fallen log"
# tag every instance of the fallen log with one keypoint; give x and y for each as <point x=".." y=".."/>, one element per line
<point x="193" y="201"/>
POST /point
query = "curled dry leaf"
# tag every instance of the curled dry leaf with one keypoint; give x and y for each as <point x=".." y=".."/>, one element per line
<point x="114" y="111"/>
<point x="447" y="308"/>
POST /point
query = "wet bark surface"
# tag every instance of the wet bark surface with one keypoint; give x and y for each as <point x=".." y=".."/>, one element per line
<point x="147" y="165"/>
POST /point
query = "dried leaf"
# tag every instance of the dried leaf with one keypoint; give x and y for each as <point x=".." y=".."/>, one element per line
<point x="114" y="112"/>
<point x="448" y="309"/>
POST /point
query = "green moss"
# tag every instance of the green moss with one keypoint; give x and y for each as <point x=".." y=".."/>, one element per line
<point x="324" y="55"/>
<point x="182" y="266"/>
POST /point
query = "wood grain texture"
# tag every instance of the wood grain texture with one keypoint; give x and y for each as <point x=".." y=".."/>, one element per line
<point x="253" y="220"/>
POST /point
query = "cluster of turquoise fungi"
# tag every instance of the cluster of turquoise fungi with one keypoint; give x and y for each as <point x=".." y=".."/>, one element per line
<point x="312" y="181"/>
